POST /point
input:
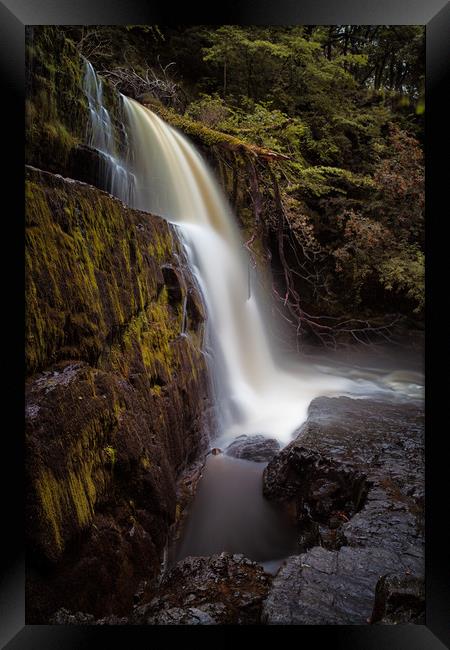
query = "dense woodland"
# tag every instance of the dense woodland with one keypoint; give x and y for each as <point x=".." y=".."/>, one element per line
<point x="342" y="110"/>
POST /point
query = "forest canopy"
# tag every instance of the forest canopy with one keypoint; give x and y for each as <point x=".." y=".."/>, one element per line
<point x="344" y="108"/>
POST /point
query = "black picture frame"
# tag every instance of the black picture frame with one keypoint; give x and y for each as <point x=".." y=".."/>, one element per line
<point x="14" y="16"/>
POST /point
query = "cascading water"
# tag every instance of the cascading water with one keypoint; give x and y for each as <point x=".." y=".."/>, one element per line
<point x="161" y="172"/>
<point x="165" y="175"/>
<point x="254" y="394"/>
<point x="115" y="176"/>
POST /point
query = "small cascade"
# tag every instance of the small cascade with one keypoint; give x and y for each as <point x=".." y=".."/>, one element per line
<point x="115" y="176"/>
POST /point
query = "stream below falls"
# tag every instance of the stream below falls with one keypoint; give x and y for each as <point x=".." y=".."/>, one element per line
<point x="229" y="512"/>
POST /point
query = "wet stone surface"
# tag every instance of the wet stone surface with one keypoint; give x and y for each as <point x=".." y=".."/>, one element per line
<point x="324" y="587"/>
<point x="257" y="448"/>
<point x="221" y="589"/>
<point x="399" y="598"/>
<point x="354" y="481"/>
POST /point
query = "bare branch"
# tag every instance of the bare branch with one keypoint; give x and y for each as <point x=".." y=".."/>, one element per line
<point x="146" y="81"/>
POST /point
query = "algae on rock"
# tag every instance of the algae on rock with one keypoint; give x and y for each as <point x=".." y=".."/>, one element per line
<point x="117" y="393"/>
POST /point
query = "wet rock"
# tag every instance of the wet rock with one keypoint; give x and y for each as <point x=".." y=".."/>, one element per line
<point x="257" y="448"/>
<point x="353" y="480"/>
<point x="399" y="598"/>
<point x="183" y="616"/>
<point x="324" y="587"/>
<point x="356" y="465"/>
<point x="195" y="310"/>
<point x="85" y="164"/>
<point x="186" y="490"/>
<point x="64" y="617"/>
<point x="174" y="285"/>
<point x="117" y="400"/>
<point x="221" y="589"/>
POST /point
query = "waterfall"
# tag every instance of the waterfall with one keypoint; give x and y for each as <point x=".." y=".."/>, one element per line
<point x="164" y="174"/>
<point x="115" y="176"/>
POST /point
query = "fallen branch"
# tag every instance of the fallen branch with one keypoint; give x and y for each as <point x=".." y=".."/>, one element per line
<point x="137" y="83"/>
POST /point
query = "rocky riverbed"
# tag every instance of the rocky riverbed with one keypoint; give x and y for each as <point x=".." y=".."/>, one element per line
<point x="353" y="483"/>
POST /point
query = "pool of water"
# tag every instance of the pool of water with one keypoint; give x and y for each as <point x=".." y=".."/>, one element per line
<point x="230" y="514"/>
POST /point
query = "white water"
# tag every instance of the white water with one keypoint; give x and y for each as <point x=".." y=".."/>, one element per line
<point x="116" y="176"/>
<point x="164" y="174"/>
<point x="253" y="392"/>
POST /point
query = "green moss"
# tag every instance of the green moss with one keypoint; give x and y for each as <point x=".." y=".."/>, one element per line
<point x="150" y="336"/>
<point x="202" y="133"/>
<point x="50" y="498"/>
<point x="82" y="285"/>
<point x="111" y="454"/>
<point x="67" y="494"/>
<point x="73" y="496"/>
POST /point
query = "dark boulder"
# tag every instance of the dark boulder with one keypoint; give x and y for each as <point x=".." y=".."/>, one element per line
<point x="399" y="598"/>
<point x="221" y="589"/>
<point x="353" y="481"/>
<point x="257" y="448"/>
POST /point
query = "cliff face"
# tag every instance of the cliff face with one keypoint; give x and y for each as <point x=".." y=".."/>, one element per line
<point x="116" y="397"/>
<point x="56" y="110"/>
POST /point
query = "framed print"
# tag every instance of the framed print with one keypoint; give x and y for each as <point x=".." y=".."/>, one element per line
<point x="226" y="267"/>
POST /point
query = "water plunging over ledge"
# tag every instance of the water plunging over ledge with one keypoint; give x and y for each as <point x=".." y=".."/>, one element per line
<point x="254" y="392"/>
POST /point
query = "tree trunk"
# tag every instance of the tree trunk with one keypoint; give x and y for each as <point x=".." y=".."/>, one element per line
<point x="224" y="78"/>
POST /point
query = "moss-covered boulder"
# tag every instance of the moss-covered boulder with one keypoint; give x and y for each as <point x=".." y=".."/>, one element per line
<point x="117" y="394"/>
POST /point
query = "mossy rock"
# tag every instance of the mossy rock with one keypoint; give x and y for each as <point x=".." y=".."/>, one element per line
<point x="56" y="110"/>
<point x="117" y="393"/>
<point x="94" y="272"/>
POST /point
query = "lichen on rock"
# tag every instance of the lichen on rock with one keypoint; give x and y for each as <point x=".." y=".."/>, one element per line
<point x="117" y="394"/>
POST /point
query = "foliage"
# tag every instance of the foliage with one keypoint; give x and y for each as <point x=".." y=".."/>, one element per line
<point x="210" y="110"/>
<point x="383" y="238"/>
<point x="406" y="273"/>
